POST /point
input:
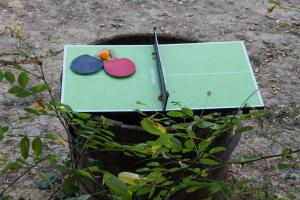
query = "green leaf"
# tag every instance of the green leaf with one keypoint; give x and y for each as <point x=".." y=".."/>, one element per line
<point x="197" y="186"/>
<point x="207" y="161"/>
<point x="24" y="147"/>
<point x="152" y="127"/>
<point x="82" y="197"/>
<point x="10" y="77"/>
<point x="246" y="158"/>
<point x="153" y="164"/>
<point x="220" y="186"/>
<point x="191" y="134"/>
<point x="216" y="150"/>
<point x="179" y="126"/>
<point x="196" y="170"/>
<point x="189" y="144"/>
<point x="23" y="161"/>
<point x="105" y="122"/>
<point x="23" y="79"/>
<point x="70" y="185"/>
<point x="176" y="144"/>
<point x="2" y="133"/>
<point x="205" y="124"/>
<point x="53" y="136"/>
<point x="114" y="183"/>
<point x="37" y="146"/>
<point x="46" y="178"/>
<point x="83" y="115"/>
<point x="145" y="169"/>
<point x="16" y="65"/>
<point x="15" y="90"/>
<point x="108" y="132"/>
<point x="187" y="111"/>
<point x="175" y="114"/>
<point x="31" y="111"/>
<point x="286" y="166"/>
<point x="144" y="190"/>
<point x="193" y="189"/>
<point x="24" y="93"/>
<point x="23" y="54"/>
<point x="202" y="146"/>
<point x="20" y="92"/>
<point x="11" y="166"/>
<point x="1" y="76"/>
<point x="244" y="129"/>
<point x="95" y="169"/>
<point x="84" y="174"/>
<point x="170" y="142"/>
<point x="40" y="88"/>
<point x="285" y="152"/>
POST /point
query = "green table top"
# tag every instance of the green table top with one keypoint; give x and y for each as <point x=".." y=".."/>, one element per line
<point x="191" y="71"/>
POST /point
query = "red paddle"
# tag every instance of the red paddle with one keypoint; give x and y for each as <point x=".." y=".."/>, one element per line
<point x="119" y="67"/>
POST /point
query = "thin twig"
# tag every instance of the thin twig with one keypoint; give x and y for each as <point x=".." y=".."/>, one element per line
<point x="264" y="157"/>
<point x="55" y="191"/>
<point x="20" y="69"/>
<point x="20" y="176"/>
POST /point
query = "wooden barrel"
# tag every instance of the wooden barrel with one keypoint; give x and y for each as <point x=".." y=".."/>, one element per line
<point x="127" y="129"/>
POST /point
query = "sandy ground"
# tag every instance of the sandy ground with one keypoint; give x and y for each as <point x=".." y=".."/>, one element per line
<point x="272" y="40"/>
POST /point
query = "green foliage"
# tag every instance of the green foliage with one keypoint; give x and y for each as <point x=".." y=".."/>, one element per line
<point x="175" y="114"/>
<point x="15" y="90"/>
<point x="2" y="133"/>
<point x="207" y="161"/>
<point x="24" y="93"/>
<point x="1" y="76"/>
<point x="243" y="129"/>
<point x="220" y="186"/>
<point x="23" y="54"/>
<point x="152" y="127"/>
<point x="37" y="146"/>
<point x="187" y="111"/>
<point x="31" y="111"/>
<point x="23" y="79"/>
<point x="83" y="174"/>
<point x="178" y="156"/>
<point x="11" y="166"/>
<point x="40" y="88"/>
<point x="246" y="158"/>
<point x="216" y="150"/>
<point x="82" y="197"/>
<point x="115" y="184"/>
<point x="24" y="147"/>
<point x="46" y="178"/>
<point x="10" y="77"/>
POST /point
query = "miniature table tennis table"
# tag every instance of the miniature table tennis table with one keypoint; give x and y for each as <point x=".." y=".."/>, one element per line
<point x="214" y="75"/>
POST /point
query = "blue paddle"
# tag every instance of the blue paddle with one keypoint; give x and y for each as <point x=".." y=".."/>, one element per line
<point x="86" y="64"/>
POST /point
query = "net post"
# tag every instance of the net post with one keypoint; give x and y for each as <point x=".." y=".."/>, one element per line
<point x="164" y="94"/>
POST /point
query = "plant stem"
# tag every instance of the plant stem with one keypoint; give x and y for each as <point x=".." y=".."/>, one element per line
<point x="55" y="191"/>
<point x="264" y="157"/>
<point x="72" y="147"/>
<point x="8" y="63"/>
<point x="20" y="176"/>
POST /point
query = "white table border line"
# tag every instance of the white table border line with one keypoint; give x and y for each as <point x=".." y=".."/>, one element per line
<point x="251" y="72"/>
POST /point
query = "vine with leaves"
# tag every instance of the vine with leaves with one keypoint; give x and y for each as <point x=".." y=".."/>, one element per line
<point x="178" y="158"/>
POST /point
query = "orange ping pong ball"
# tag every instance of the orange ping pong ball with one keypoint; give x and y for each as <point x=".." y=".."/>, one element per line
<point x="104" y="54"/>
